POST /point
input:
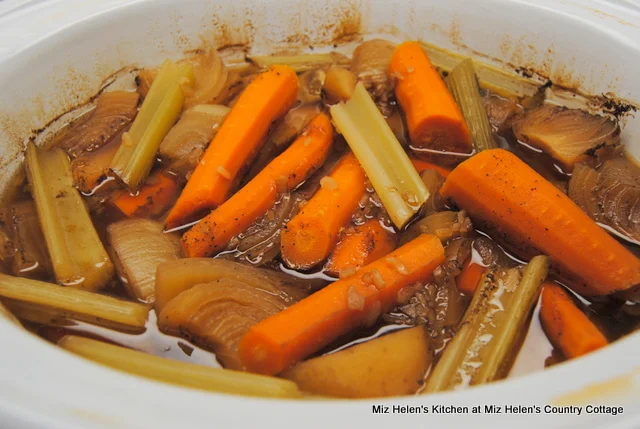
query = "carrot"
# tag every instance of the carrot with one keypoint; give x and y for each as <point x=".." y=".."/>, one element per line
<point x="359" y="246"/>
<point x="467" y="281"/>
<point x="568" y="328"/>
<point x="267" y="98"/>
<point x="276" y="343"/>
<point x="157" y="194"/>
<point x="309" y="237"/>
<point x="436" y="125"/>
<point x="421" y="165"/>
<point x="281" y="175"/>
<point x="496" y="188"/>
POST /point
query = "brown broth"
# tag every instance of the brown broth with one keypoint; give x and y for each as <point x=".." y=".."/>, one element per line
<point x="151" y="341"/>
<point x="615" y="317"/>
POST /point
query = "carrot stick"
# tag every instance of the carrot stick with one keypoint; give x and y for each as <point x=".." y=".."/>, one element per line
<point x="157" y="194"/>
<point x="283" y="174"/>
<point x="421" y="165"/>
<point x="358" y="247"/>
<point x="568" y="328"/>
<point x="436" y="125"/>
<point x="276" y="343"/>
<point x="309" y="237"/>
<point x="496" y="188"/>
<point x="267" y="98"/>
<point x="467" y="281"/>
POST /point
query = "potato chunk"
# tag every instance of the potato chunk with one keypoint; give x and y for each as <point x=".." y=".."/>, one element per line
<point x="392" y="365"/>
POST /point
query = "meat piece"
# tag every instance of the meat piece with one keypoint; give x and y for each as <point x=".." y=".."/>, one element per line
<point x="490" y="253"/>
<point x="438" y="304"/>
<point x="370" y="63"/>
<point x="311" y="83"/>
<point x="500" y="110"/>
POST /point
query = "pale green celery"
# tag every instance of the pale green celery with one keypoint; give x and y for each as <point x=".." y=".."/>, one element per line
<point x="489" y="335"/>
<point x="180" y="373"/>
<point x="463" y="84"/>
<point x="33" y="299"/>
<point x="392" y="175"/>
<point x="187" y="75"/>
<point x="162" y="105"/>
<point x="490" y="77"/>
<point x="300" y="62"/>
<point x="78" y="257"/>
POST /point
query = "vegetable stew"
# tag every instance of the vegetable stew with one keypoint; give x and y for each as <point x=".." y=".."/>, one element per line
<point x="379" y="224"/>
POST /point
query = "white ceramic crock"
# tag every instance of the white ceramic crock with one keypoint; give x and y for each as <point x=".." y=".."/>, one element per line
<point x="55" y="54"/>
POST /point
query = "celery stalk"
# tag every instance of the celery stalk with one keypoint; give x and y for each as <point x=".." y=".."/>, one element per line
<point x="78" y="257"/>
<point x="180" y="373"/>
<point x="499" y="81"/>
<point x="394" y="178"/>
<point x="301" y="62"/>
<point x="487" y="338"/>
<point x="463" y="84"/>
<point x="159" y="111"/>
<point x="24" y="295"/>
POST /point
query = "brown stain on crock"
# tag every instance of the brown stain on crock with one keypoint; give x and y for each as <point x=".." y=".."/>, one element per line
<point x="348" y="24"/>
<point x="342" y="24"/>
<point x="523" y="59"/>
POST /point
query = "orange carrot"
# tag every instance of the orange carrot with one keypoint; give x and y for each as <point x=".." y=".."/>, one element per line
<point x="421" y="165"/>
<point x="283" y="174"/>
<point x="496" y="188"/>
<point x="285" y="338"/>
<point x="267" y="98"/>
<point x="309" y="237"/>
<point x="359" y="246"/>
<point x="158" y="193"/>
<point x="436" y="125"/>
<point x="467" y="281"/>
<point x="568" y="328"/>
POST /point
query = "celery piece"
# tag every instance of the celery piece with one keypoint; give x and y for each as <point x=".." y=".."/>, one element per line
<point x="31" y="258"/>
<point x="44" y="316"/>
<point x="180" y="373"/>
<point x="78" y="257"/>
<point x="300" y="62"/>
<point x="488" y="337"/>
<point x="463" y="84"/>
<point x="62" y="302"/>
<point x="22" y="246"/>
<point x="491" y="77"/>
<point x="159" y="111"/>
<point x="394" y="178"/>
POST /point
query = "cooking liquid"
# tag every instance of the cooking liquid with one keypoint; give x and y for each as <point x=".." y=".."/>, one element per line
<point x="536" y="351"/>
